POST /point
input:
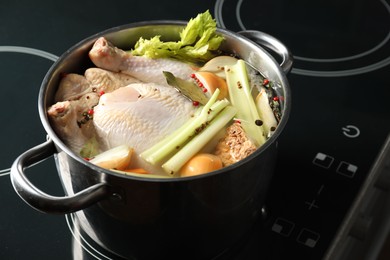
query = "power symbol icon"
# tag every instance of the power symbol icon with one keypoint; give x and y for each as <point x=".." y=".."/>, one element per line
<point x="350" y="131"/>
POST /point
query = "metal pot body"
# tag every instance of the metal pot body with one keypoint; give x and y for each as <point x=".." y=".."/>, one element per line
<point x="194" y="219"/>
<point x="144" y="218"/>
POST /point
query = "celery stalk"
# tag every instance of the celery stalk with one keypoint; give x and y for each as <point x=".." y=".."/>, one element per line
<point x="147" y="154"/>
<point x="174" y="164"/>
<point x="241" y="98"/>
<point x="176" y="140"/>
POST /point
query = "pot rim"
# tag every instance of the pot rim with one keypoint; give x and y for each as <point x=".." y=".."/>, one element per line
<point x="90" y="39"/>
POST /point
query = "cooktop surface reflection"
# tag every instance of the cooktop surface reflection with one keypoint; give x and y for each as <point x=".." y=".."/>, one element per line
<point x="338" y="124"/>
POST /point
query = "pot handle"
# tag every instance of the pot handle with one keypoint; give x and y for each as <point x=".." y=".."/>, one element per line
<point x="273" y="44"/>
<point x="42" y="201"/>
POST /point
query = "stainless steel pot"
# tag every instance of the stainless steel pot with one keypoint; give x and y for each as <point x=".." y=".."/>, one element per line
<point x="149" y="218"/>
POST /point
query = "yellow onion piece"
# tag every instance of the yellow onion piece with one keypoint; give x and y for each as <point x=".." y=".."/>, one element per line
<point x="200" y="164"/>
<point x="211" y="82"/>
<point x="118" y="158"/>
<point x="216" y="65"/>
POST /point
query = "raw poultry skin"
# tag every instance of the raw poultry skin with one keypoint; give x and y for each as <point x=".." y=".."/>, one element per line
<point x="76" y="95"/>
<point x="66" y="117"/>
<point x="73" y="86"/>
<point x="104" y="55"/>
<point x="140" y="115"/>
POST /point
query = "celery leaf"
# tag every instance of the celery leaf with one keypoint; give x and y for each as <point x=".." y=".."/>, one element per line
<point x="198" y="42"/>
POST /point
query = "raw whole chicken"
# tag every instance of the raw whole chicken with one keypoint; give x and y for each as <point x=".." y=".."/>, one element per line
<point x="125" y="100"/>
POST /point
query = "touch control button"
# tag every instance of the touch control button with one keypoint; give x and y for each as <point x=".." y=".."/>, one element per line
<point x="347" y="169"/>
<point x="323" y="160"/>
<point x="308" y="237"/>
<point x="350" y="131"/>
<point x="283" y="227"/>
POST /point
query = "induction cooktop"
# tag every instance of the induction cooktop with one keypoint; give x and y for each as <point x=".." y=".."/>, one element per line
<point x="332" y="150"/>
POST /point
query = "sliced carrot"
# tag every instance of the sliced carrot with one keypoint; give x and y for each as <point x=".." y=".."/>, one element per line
<point x="137" y="170"/>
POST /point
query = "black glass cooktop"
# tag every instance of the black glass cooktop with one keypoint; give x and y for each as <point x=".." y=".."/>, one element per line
<point x="338" y="124"/>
